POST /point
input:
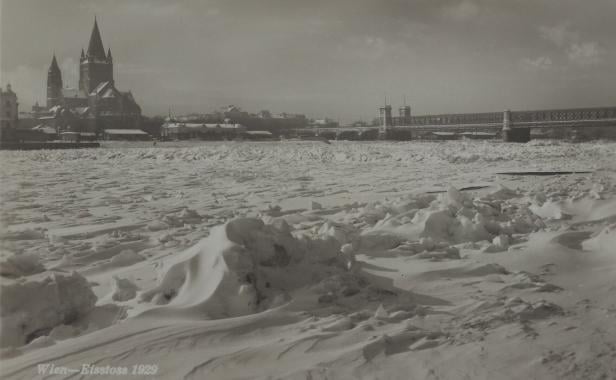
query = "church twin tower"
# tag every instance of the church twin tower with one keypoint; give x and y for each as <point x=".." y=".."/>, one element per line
<point x="95" y="67"/>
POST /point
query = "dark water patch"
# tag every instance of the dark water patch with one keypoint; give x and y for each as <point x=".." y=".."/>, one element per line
<point x="546" y="173"/>
<point x="468" y="188"/>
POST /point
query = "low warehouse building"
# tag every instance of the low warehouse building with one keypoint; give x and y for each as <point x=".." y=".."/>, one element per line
<point x="258" y="135"/>
<point x="203" y="131"/>
<point x="125" y="134"/>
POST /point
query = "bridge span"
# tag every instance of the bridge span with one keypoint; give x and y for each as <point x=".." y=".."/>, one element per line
<point x="512" y="126"/>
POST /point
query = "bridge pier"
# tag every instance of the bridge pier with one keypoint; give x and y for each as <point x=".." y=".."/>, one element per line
<point x="520" y="135"/>
<point x="383" y="133"/>
<point x="510" y="134"/>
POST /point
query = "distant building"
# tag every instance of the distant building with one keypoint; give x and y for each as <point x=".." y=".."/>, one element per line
<point x="204" y="131"/>
<point x="264" y="114"/>
<point x="324" y="123"/>
<point x="258" y="135"/>
<point x="234" y="113"/>
<point x="38" y="110"/>
<point x="276" y="124"/>
<point x="10" y="130"/>
<point x="125" y="134"/>
<point x="97" y="104"/>
<point x="360" y="124"/>
<point x="9" y="113"/>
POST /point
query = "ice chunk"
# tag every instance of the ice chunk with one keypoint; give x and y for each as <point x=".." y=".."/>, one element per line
<point x="31" y="308"/>
<point x="123" y="289"/>
<point x="13" y="265"/>
<point x="499" y="244"/>
<point x="381" y="313"/>
<point x="126" y="257"/>
<point x="605" y="240"/>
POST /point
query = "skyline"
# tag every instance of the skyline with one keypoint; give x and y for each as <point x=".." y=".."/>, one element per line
<point x="324" y="59"/>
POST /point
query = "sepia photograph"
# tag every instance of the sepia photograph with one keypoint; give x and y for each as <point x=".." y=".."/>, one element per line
<point x="308" y="189"/>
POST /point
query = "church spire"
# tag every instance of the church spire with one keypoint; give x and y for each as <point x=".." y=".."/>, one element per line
<point x="109" y="57"/>
<point x="95" y="47"/>
<point x="83" y="55"/>
<point x="54" y="84"/>
<point x="54" y="65"/>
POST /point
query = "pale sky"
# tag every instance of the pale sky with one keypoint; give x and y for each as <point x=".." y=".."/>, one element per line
<point x="324" y="58"/>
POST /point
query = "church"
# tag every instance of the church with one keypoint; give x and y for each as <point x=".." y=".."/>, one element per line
<point x="97" y="105"/>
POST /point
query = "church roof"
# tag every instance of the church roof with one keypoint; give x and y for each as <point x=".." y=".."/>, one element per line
<point x="110" y="93"/>
<point x="95" y="47"/>
<point x="70" y="92"/>
<point x="101" y="86"/>
<point x="128" y="96"/>
<point x="82" y="110"/>
<point x="233" y="108"/>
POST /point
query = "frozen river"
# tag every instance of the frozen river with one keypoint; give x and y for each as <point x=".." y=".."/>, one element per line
<point x="374" y="239"/>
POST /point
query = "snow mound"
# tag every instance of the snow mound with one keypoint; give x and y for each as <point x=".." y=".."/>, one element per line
<point x="604" y="240"/>
<point x="453" y="218"/>
<point x="14" y="265"/>
<point x="247" y="266"/>
<point x="125" y="258"/>
<point x="511" y="310"/>
<point x="239" y="269"/>
<point x="34" y="306"/>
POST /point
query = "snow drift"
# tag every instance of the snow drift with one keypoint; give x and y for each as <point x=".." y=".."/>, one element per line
<point x="247" y="266"/>
<point x="242" y="267"/>
<point x="604" y="240"/>
<point x="454" y="218"/>
<point x="33" y="306"/>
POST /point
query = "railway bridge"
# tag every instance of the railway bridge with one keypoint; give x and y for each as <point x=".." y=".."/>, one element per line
<point x="513" y="126"/>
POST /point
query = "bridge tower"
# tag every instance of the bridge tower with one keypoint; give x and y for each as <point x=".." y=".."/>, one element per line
<point x="404" y="113"/>
<point x="506" y="121"/>
<point x="386" y="120"/>
<point x="511" y="134"/>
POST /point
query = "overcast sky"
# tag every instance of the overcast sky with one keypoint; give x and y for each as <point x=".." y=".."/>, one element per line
<point x="334" y="58"/>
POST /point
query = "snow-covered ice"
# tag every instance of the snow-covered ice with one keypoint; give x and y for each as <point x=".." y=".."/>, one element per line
<point x="308" y="260"/>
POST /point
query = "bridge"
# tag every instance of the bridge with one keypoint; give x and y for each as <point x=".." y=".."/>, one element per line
<point x="512" y="126"/>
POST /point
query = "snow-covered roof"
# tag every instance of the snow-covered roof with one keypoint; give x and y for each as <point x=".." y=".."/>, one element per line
<point x="444" y="133"/>
<point x="223" y="125"/>
<point x="109" y="93"/>
<point x="233" y="108"/>
<point x="125" y="132"/>
<point x="188" y="125"/>
<point x="99" y="88"/>
<point x="259" y="133"/>
<point x="82" y="110"/>
<point x="203" y="125"/>
<point x="89" y="134"/>
<point x="479" y="134"/>
<point x="45" y="129"/>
